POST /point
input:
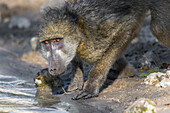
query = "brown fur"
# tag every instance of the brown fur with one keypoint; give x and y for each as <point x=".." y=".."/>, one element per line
<point x="102" y="33"/>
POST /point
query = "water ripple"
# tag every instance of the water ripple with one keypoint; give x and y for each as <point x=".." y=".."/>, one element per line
<point x="18" y="96"/>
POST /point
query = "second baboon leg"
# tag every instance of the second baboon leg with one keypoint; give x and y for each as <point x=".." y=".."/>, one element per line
<point x="121" y="68"/>
<point x="77" y="81"/>
<point x="99" y="71"/>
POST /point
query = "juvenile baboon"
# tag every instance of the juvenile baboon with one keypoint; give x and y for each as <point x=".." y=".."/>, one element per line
<point x="98" y="32"/>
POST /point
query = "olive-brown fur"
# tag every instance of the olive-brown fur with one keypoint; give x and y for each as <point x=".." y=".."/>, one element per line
<point x="103" y="29"/>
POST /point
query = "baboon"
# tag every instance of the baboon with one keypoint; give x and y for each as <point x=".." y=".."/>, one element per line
<point x="97" y="32"/>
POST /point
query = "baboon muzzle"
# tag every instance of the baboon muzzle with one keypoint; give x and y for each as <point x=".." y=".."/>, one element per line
<point x="56" y="66"/>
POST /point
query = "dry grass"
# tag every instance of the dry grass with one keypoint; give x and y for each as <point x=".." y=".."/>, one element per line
<point x="34" y="58"/>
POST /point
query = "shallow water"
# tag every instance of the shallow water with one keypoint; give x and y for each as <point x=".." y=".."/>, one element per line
<point x="18" y="96"/>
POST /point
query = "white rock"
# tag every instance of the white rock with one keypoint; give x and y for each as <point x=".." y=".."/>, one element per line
<point x="164" y="83"/>
<point x="38" y="81"/>
<point x="158" y="79"/>
<point x="168" y="73"/>
<point x="153" y="78"/>
<point x="142" y="106"/>
<point x="19" y="22"/>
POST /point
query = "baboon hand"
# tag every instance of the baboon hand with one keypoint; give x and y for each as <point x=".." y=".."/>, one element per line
<point x="85" y="95"/>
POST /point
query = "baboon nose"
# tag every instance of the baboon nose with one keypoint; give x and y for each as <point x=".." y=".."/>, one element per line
<point x="56" y="71"/>
<point x="53" y="70"/>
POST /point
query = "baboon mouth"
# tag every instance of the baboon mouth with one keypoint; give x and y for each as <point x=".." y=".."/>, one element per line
<point x="57" y="73"/>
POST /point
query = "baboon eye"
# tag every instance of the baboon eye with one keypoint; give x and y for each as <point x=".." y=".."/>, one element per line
<point x="46" y="42"/>
<point x="58" y="39"/>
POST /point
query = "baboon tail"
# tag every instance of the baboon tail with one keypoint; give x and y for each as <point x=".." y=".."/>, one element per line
<point x="160" y="20"/>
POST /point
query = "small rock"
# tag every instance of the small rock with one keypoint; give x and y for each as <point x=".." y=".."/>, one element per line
<point x="34" y="43"/>
<point x="142" y="106"/>
<point x="19" y="22"/>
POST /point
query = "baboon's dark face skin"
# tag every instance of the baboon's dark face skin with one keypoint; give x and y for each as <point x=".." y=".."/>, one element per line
<point x="59" y="53"/>
<point x="54" y="53"/>
<point x="58" y="46"/>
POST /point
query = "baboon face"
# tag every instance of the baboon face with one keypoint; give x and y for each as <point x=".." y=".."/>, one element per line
<point x="59" y="43"/>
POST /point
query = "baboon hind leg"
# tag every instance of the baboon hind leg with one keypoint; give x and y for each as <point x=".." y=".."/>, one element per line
<point x="121" y="68"/>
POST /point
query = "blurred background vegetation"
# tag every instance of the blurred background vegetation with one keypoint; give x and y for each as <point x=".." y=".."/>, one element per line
<point x="32" y="4"/>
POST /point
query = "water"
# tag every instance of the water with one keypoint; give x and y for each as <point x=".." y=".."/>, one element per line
<point x="18" y="96"/>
